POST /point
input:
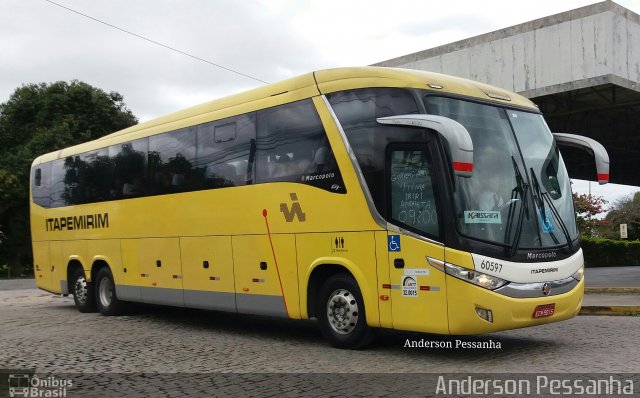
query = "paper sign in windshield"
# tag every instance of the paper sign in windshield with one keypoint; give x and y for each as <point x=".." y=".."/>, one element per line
<point x="482" y="217"/>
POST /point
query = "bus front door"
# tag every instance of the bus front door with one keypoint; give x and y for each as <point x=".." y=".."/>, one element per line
<point x="261" y="279"/>
<point x="418" y="290"/>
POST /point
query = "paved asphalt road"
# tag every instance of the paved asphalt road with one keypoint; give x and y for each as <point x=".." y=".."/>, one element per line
<point x="612" y="277"/>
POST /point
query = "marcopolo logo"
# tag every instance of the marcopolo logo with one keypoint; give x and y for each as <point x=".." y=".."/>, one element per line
<point x="541" y="256"/>
<point x="25" y="385"/>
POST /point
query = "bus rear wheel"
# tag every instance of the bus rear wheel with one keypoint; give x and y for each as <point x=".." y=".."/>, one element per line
<point x="105" y="290"/>
<point x="341" y="313"/>
<point x="83" y="295"/>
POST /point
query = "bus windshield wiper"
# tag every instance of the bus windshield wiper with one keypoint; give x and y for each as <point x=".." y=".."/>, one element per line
<point x="522" y="190"/>
<point x="540" y="199"/>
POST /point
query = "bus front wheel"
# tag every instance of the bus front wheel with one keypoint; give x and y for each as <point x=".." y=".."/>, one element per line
<point x="105" y="290"/>
<point x="341" y="313"/>
<point x="83" y="295"/>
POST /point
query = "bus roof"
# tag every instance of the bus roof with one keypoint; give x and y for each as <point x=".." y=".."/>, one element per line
<point x="297" y="88"/>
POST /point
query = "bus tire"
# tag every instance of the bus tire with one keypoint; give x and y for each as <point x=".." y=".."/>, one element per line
<point x="105" y="293"/>
<point x="341" y="314"/>
<point x="83" y="295"/>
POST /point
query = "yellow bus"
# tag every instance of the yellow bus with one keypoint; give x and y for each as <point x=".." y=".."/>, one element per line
<point x="363" y="197"/>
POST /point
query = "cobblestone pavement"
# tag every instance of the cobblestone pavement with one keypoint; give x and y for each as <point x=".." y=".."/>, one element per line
<point x="46" y="332"/>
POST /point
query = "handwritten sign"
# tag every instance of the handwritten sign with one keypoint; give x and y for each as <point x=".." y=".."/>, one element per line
<point x="412" y="198"/>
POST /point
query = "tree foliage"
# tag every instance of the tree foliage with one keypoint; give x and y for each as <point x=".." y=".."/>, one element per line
<point x="41" y="118"/>
<point x="625" y="211"/>
<point x="587" y="208"/>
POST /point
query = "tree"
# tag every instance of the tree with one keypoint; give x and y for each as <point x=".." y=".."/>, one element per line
<point x="587" y="208"/>
<point x="625" y="211"/>
<point x="41" y="118"/>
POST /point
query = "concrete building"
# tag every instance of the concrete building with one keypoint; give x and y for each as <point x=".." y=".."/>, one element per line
<point x="581" y="67"/>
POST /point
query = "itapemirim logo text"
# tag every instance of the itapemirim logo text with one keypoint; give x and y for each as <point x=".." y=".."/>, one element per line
<point x="33" y="386"/>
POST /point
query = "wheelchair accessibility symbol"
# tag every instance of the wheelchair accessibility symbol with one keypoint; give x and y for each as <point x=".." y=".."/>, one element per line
<point x="393" y="243"/>
<point x="547" y="224"/>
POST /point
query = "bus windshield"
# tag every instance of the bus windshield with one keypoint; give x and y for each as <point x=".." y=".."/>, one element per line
<point x="518" y="177"/>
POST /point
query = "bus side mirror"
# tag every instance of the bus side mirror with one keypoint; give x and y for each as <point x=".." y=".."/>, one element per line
<point x="593" y="147"/>
<point x="456" y="136"/>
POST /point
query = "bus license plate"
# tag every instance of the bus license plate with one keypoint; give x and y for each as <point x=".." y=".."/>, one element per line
<point x="543" y="311"/>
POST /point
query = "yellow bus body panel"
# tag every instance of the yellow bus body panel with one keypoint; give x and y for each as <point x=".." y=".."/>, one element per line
<point x="357" y="255"/>
<point x="417" y="309"/>
<point x="339" y="79"/>
<point x="460" y="258"/>
<point x="384" y="296"/>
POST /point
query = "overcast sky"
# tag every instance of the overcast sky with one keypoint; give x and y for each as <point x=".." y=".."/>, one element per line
<point x="270" y="40"/>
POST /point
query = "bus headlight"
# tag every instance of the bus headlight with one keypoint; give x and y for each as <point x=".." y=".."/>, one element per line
<point x="579" y="274"/>
<point x="477" y="278"/>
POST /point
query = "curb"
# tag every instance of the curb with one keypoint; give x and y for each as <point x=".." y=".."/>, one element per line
<point x="612" y="290"/>
<point x="615" y="310"/>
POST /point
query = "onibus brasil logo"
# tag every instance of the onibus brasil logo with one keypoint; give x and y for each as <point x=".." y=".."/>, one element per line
<point x="27" y="385"/>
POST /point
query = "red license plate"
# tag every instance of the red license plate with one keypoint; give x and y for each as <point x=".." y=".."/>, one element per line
<point x="543" y="311"/>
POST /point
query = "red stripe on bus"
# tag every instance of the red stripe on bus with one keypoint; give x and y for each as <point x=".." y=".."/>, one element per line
<point x="275" y="260"/>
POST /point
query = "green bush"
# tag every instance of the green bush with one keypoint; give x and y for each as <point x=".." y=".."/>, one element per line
<point x="599" y="252"/>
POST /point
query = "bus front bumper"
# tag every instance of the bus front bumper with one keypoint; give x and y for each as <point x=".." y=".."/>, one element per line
<point x="464" y="300"/>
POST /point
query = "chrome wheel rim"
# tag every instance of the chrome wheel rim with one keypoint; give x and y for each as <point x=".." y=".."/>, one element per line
<point x="105" y="292"/>
<point x="342" y="311"/>
<point x="80" y="289"/>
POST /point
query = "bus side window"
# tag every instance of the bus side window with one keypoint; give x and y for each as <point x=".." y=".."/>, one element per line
<point x="80" y="179"/>
<point x="172" y="157"/>
<point x="94" y="173"/>
<point x="41" y="184"/>
<point x="129" y="177"/>
<point x="223" y="152"/>
<point x="58" y="187"/>
<point x="357" y="111"/>
<point x="292" y="146"/>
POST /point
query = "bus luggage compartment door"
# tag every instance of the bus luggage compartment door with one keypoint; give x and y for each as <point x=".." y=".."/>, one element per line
<point x="42" y="265"/>
<point x="207" y="267"/>
<point x="160" y="271"/>
<point x="259" y="284"/>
